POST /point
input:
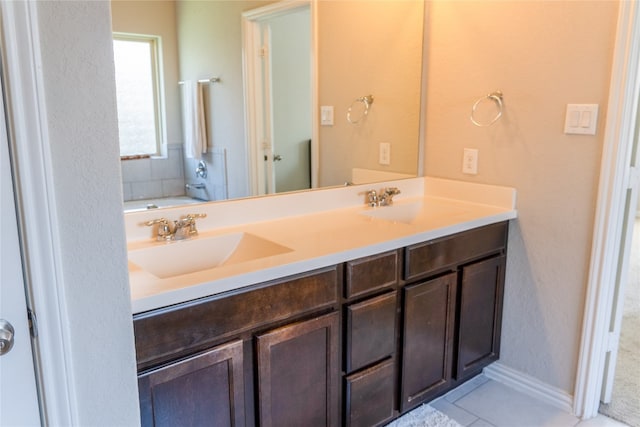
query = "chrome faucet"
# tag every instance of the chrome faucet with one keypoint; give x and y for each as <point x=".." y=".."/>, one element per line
<point x="372" y="198"/>
<point x="383" y="198"/>
<point x="181" y="229"/>
<point x="386" y="197"/>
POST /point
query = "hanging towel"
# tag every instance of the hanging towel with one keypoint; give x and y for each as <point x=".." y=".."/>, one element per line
<point x="193" y="119"/>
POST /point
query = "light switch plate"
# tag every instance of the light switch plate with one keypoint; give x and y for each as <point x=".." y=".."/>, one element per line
<point x="581" y="119"/>
<point x="326" y="115"/>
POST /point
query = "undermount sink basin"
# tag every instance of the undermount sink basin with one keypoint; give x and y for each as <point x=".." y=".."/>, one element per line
<point x="404" y="213"/>
<point x="408" y="213"/>
<point x="189" y="256"/>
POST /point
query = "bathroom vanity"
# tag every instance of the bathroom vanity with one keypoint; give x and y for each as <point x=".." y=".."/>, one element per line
<point x="383" y="318"/>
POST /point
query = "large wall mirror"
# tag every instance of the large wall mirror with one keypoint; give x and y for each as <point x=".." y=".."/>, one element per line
<point x="289" y="98"/>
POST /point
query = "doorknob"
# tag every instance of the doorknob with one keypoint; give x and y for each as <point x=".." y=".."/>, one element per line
<point x="277" y="158"/>
<point x="6" y="337"/>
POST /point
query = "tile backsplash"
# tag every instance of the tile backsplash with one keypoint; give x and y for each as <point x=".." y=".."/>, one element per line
<point x="216" y="180"/>
<point x="167" y="177"/>
<point x="154" y="178"/>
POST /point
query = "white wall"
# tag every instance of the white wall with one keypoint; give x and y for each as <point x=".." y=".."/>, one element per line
<point x="79" y="86"/>
<point x="369" y="48"/>
<point x="542" y="55"/>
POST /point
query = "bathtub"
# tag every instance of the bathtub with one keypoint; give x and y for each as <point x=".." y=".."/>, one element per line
<point x="166" y="202"/>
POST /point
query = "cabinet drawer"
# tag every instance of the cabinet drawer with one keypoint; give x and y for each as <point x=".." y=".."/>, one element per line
<point x="371" y="331"/>
<point x="369" y="396"/>
<point x="177" y="331"/>
<point x="371" y="273"/>
<point x="424" y="258"/>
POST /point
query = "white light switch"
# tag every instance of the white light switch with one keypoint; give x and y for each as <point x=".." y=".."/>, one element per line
<point x="326" y="115"/>
<point x="581" y="119"/>
<point x="574" y="119"/>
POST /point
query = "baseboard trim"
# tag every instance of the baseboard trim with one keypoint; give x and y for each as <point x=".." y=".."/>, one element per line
<point x="530" y="386"/>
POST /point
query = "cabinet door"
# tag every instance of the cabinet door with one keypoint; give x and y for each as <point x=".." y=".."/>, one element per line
<point x="481" y="298"/>
<point x="299" y="374"/>
<point x="204" y="390"/>
<point x="371" y="331"/>
<point x="429" y="317"/>
<point x="369" y="395"/>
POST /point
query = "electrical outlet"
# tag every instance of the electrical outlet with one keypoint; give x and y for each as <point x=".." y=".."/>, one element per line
<point x="385" y="153"/>
<point x="470" y="161"/>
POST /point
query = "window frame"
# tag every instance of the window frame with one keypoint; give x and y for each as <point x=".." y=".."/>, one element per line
<point x="157" y="77"/>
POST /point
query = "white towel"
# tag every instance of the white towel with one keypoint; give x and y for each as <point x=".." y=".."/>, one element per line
<point x="193" y="119"/>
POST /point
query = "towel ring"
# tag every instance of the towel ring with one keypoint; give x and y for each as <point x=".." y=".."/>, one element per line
<point x="366" y="101"/>
<point x="493" y="96"/>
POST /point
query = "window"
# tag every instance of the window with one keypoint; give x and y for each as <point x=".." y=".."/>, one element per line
<point x="139" y="98"/>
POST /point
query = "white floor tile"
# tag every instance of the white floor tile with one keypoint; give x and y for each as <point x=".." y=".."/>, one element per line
<point x="601" y="421"/>
<point x="481" y="423"/>
<point x="452" y="411"/>
<point x="465" y="388"/>
<point x="505" y="407"/>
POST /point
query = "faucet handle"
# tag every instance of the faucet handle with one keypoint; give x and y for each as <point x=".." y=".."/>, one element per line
<point x="194" y="216"/>
<point x="386" y="198"/>
<point x="371" y="197"/>
<point x="164" y="229"/>
<point x="392" y="191"/>
<point x="190" y="220"/>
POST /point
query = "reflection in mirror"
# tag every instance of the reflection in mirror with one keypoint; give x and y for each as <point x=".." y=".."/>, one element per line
<point x="362" y="48"/>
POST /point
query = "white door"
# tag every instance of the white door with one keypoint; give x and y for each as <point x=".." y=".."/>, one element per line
<point x="290" y="104"/>
<point x="615" y="324"/>
<point x="279" y="162"/>
<point x="18" y="395"/>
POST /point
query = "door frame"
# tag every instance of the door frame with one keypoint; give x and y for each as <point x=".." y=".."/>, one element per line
<point x="255" y="124"/>
<point x="618" y="177"/>
<point x="40" y="243"/>
<point x="17" y="367"/>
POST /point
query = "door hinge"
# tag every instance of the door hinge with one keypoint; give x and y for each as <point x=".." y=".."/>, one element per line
<point x="33" y="323"/>
<point x="263" y="52"/>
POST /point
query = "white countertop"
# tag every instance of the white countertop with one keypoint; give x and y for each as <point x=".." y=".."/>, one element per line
<point x="321" y="228"/>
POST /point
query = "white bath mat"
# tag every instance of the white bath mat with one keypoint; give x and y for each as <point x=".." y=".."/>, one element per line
<point x="424" y="416"/>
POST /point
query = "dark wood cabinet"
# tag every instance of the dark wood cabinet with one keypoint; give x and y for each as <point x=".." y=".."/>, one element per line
<point x="203" y="390"/>
<point x="428" y="334"/>
<point x="370" y="331"/>
<point x="298" y="374"/>
<point x="370" y="339"/>
<point x="452" y="311"/>
<point x="481" y="296"/>
<point x="354" y="344"/>
<point x="371" y="273"/>
<point x="369" y="395"/>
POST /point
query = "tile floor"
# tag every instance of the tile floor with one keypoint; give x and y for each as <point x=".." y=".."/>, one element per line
<point x="482" y="402"/>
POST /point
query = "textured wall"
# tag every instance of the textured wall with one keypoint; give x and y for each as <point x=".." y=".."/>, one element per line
<point x="369" y="48"/>
<point x="79" y="86"/>
<point x="542" y="55"/>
